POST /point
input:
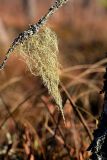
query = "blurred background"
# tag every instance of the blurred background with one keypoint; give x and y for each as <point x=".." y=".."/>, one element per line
<point x="29" y="125"/>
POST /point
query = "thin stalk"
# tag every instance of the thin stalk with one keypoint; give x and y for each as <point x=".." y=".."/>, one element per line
<point x="78" y="112"/>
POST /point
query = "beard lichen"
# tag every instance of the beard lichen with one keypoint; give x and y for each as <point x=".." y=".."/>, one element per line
<point x="40" y="52"/>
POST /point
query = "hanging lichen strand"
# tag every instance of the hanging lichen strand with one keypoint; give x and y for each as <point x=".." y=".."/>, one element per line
<point x="33" y="29"/>
<point x="40" y="53"/>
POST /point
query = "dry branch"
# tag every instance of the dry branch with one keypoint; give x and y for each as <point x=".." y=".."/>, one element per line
<point x="33" y="29"/>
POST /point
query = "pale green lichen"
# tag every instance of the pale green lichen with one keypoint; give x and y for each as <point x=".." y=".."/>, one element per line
<point x="40" y="53"/>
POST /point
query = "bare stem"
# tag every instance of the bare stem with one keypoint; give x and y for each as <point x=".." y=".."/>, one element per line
<point x="81" y="118"/>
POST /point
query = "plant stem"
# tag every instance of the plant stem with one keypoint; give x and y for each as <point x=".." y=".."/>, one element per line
<point x="78" y="112"/>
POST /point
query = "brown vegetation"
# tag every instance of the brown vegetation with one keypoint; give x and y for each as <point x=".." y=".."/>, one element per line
<point x="31" y="127"/>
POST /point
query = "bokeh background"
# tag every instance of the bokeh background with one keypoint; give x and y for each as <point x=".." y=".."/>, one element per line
<point x="28" y="114"/>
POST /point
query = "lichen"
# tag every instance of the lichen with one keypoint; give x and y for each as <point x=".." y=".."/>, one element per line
<point x="40" y="52"/>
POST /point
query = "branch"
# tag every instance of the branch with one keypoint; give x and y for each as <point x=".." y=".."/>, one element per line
<point x="33" y="29"/>
<point x="98" y="146"/>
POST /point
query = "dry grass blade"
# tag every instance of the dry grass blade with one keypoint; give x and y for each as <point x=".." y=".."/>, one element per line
<point x="26" y="98"/>
<point x="78" y="112"/>
<point x="9" y="83"/>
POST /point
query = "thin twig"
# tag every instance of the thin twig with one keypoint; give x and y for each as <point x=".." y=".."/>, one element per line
<point x="78" y="112"/>
<point x="33" y="29"/>
<point x="53" y="134"/>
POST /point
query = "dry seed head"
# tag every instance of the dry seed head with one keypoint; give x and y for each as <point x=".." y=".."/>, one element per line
<point x="40" y="53"/>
